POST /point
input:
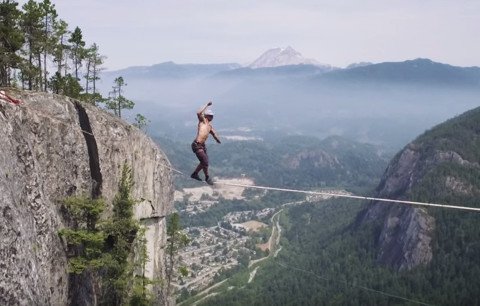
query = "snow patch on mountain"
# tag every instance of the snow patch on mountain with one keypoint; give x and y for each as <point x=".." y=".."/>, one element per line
<point x="283" y="57"/>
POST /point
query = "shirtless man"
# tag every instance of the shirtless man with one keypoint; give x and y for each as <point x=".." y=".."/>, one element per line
<point x="205" y="116"/>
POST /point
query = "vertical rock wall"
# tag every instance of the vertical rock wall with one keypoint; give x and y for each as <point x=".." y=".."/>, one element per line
<point x="404" y="240"/>
<point x="52" y="147"/>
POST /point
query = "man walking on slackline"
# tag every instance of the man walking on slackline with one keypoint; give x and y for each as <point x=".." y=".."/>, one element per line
<point x="205" y="117"/>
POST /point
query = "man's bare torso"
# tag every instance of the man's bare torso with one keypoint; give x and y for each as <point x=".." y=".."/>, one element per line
<point x="203" y="129"/>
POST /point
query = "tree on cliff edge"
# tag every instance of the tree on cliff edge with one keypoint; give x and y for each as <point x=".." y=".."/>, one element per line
<point x="117" y="101"/>
<point x="77" y="49"/>
<point x="11" y="40"/>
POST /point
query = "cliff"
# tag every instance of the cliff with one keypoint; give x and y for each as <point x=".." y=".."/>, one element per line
<point x="52" y="147"/>
<point x="440" y="166"/>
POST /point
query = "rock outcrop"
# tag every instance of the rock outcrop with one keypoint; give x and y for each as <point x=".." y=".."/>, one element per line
<point x="435" y="163"/>
<point x="52" y="147"/>
<point x="404" y="240"/>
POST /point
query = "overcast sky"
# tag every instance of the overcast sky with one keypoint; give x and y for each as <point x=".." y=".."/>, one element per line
<point x="336" y="32"/>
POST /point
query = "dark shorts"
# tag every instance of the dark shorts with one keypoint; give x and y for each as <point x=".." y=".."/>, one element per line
<point x="200" y="151"/>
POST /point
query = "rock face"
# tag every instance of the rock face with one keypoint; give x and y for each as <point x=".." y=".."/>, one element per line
<point x="404" y="241"/>
<point x="52" y="147"/>
<point x="437" y="162"/>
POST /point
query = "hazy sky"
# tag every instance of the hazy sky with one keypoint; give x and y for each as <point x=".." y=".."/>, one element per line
<point x="336" y="32"/>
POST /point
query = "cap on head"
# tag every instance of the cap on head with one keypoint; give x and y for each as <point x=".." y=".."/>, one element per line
<point x="208" y="112"/>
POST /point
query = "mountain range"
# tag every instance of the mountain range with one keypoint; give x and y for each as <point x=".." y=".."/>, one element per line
<point x="417" y="72"/>
<point x="385" y="103"/>
<point x="287" y="61"/>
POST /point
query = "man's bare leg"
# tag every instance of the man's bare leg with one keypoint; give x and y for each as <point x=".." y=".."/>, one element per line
<point x="205" y="170"/>
<point x="203" y="157"/>
<point x="207" y="177"/>
<point x="195" y="173"/>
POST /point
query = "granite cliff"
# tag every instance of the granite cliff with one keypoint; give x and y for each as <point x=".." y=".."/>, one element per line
<point x="52" y="147"/>
<point x="440" y="166"/>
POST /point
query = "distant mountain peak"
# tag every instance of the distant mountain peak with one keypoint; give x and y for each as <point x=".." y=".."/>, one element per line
<point x="283" y="57"/>
<point x="359" y="64"/>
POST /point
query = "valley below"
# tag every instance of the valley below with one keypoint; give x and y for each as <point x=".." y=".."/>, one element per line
<point x="241" y="240"/>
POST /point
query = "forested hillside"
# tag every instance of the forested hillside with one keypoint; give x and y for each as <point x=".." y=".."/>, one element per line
<point x="324" y="262"/>
<point x="294" y="161"/>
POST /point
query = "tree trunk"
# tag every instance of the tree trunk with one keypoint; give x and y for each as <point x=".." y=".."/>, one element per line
<point x="119" y="108"/>
<point x="65" y="67"/>
<point x="30" y="61"/>
<point x="94" y="71"/>
<point x="87" y="76"/>
<point x="45" y="71"/>
<point x="3" y="76"/>
<point x="40" y="74"/>
<point x="76" y="68"/>
<point x="119" y="101"/>
<point x="9" y="76"/>
<point x="45" y="55"/>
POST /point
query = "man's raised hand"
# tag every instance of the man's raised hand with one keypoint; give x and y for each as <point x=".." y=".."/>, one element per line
<point x="209" y="103"/>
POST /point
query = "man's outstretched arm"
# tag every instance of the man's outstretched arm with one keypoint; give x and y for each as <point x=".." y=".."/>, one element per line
<point x="215" y="135"/>
<point x="200" y="112"/>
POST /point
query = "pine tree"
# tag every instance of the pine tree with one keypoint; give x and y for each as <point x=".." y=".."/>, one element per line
<point x="117" y="101"/>
<point x="60" y="30"/>
<point x="141" y="121"/>
<point x="77" y="49"/>
<point x="121" y="233"/>
<point x="97" y="62"/>
<point x="11" y="40"/>
<point x="88" y="64"/>
<point x="119" y="83"/>
<point x="111" y="251"/>
<point x="84" y="240"/>
<point x="93" y="61"/>
<point x="32" y="25"/>
<point x="49" y="39"/>
<point x="56" y="83"/>
<point x="72" y="87"/>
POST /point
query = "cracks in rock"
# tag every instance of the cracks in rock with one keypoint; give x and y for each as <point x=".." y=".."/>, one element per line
<point x="94" y="160"/>
<point x="153" y="216"/>
<point x="2" y="110"/>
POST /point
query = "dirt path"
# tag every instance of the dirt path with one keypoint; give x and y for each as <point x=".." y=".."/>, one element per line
<point x="205" y="291"/>
<point x="205" y="297"/>
<point x="271" y="242"/>
<point x="252" y="274"/>
<point x="274" y="240"/>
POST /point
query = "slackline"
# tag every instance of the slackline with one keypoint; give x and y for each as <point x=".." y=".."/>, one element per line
<point x="336" y="195"/>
